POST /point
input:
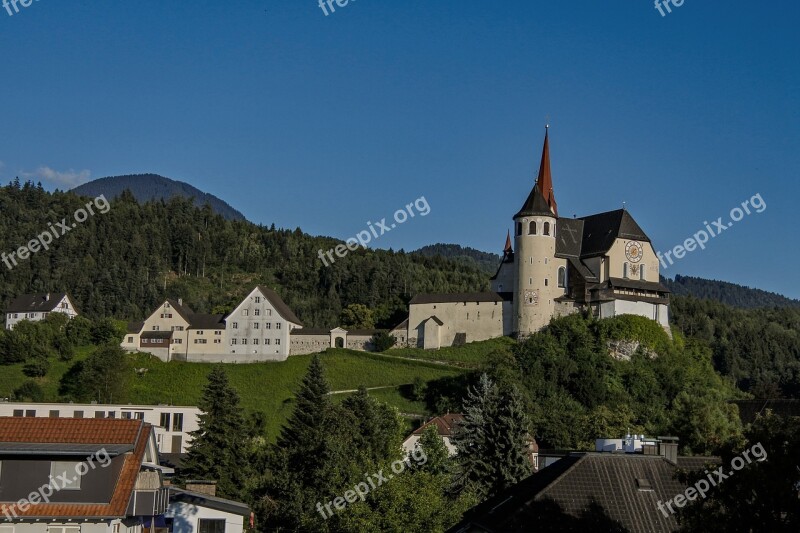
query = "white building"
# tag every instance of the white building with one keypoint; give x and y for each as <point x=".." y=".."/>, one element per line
<point x="36" y="307"/>
<point x="172" y="425"/>
<point x="194" y="512"/>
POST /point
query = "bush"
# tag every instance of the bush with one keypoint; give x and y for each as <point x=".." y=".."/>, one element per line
<point x="36" y="368"/>
<point x="30" y="391"/>
<point x="382" y="341"/>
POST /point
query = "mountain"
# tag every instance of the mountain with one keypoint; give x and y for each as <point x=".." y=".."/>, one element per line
<point x="146" y="187"/>
<point x="469" y="256"/>
<point x="727" y="293"/>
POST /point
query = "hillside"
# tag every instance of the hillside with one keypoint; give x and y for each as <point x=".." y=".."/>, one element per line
<point x="469" y="256"/>
<point x="146" y="187"/>
<point x="727" y="293"/>
<point x="123" y="263"/>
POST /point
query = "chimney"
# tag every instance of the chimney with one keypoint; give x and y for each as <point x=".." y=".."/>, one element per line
<point x="668" y="449"/>
<point x="209" y="488"/>
<point x="180" y="301"/>
<point x="47" y="297"/>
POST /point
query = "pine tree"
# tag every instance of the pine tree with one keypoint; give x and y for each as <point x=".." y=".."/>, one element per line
<point x="218" y="449"/>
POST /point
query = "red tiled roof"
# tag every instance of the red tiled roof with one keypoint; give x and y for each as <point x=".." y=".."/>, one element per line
<point x="445" y="424"/>
<point x="83" y="431"/>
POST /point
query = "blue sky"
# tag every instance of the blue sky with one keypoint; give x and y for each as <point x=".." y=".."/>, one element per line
<point x="327" y="122"/>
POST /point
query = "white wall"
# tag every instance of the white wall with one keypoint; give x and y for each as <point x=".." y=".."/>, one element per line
<point x="186" y="518"/>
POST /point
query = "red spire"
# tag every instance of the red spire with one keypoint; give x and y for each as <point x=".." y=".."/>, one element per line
<point x="508" y="247"/>
<point x="545" y="181"/>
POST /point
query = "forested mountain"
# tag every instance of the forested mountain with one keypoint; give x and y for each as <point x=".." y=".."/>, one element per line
<point x="727" y="293"/>
<point x="147" y="187"/>
<point x="470" y="256"/>
<point x="128" y="260"/>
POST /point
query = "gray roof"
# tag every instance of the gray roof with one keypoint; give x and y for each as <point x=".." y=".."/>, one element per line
<point x="203" y="321"/>
<point x="601" y="230"/>
<point x="535" y="205"/>
<point x="62" y="449"/>
<point x="311" y="331"/>
<point x="177" y="495"/>
<point x="456" y="298"/>
<point x="621" y="490"/>
<point x="637" y="284"/>
<point x="36" y="303"/>
<point x="569" y="236"/>
<point x="157" y="335"/>
<point x="279" y="305"/>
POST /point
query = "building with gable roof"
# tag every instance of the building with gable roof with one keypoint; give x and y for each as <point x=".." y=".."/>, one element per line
<point x="36" y="307"/>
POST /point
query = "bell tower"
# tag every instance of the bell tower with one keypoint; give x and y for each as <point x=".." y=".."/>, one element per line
<point x="536" y="273"/>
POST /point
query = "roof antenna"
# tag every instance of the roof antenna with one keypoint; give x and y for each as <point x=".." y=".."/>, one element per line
<point x="623" y="206"/>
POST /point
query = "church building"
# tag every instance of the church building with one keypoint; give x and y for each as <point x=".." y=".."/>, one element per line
<point x="604" y="263"/>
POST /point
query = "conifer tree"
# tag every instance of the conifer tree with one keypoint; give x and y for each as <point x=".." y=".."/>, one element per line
<point x="218" y="449"/>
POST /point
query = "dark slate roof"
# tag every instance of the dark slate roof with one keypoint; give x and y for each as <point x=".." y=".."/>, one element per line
<point x="157" y="335"/>
<point x="750" y="409"/>
<point x="569" y="236"/>
<point x="68" y="449"/>
<point x="535" y="205"/>
<point x="401" y="325"/>
<point x="36" y="303"/>
<point x="599" y="485"/>
<point x="279" y="305"/>
<point x="601" y="230"/>
<point x="583" y="270"/>
<point x="135" y="327"/>
<point x="203" y="321"/>
<point x="177" y="495"/>
<point x="455" y="298"/>
<point x="183" y="310"/>
<point x="311" y="331"/>
<point x="637" y="284"/>
<point x="445" y="424"/>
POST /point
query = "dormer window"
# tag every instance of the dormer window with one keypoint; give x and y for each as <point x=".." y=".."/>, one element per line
<point x="68" y="473"/>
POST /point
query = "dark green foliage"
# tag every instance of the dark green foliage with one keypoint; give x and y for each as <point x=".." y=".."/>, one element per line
<point x="382" y="341"/>
<point x="357" y="316"/>
<point x="759" y="349"/>
<point x="727" y="293"/>
<point x="117" y="264"/>
<point x="763" y="495"/>
<point x="102" y="377"/>
<point x="218" y="449"/>
<point x="79" y="331"/>
<point x="469" y="256"/>
<point x="438" y="460"/>
<point x="30" y="391"/>
<point x="105" y="331"/>
<point x="492" y="440"/>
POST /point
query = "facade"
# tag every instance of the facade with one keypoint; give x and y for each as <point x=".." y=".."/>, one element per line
<point x="603" y="263"/>
<point x="445" y="427"/>
<point x="171" y="425"/>
<point x="36" y="307"/>
<point x="63" y="475"/>
<point x="194" y="512"/>
<point x="258" y="329"/>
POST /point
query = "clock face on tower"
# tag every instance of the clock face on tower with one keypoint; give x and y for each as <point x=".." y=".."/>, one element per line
<point x="531" y="297"/>
<point x="634" y="251"/>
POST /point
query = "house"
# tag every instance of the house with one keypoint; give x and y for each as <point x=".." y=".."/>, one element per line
<point x="36" y="307"/>
<point x="602" y="263"/>
<point x="196" y="512"/>
<point x="591" y="492"/>
<point x="445" y="427"/>
<point x="171" y="425"/>
<point x="66" y="475"/>
<point x="258" y="329"/>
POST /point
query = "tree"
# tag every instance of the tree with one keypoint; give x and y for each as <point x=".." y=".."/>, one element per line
<point x="104" y="376"/>
<point x="492" y="440"/>
<point x="382" y="341"/>
<point x="30" y="391"/>
<point x="105" y="331"/>
<point x="218" y="445"/>
<point x="357" y="316"/>
<point x="764" y="495"/>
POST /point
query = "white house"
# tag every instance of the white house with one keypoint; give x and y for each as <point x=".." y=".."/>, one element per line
<point x="171" y="425"/>
<point x="194" y="512"/>
<point x="36" y="307"/>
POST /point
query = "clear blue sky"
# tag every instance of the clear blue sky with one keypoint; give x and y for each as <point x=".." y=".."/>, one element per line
<point x="328" y="122"/>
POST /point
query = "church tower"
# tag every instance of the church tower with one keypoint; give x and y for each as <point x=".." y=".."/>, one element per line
<point x="536" y="267"/>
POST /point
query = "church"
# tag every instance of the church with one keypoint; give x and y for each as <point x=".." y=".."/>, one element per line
<point x="603" y="263"/>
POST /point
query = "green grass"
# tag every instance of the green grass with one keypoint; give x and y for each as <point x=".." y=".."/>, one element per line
<point x="470" y="355"/>
<point x="265" y="387"/>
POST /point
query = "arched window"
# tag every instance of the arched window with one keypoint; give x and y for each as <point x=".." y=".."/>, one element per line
<point x="546" y="229"/>
<point x="532" y="228"/>
<point x="519" y="228"/>
<point x="562" y="277"/>
<point x="641" y="272"/>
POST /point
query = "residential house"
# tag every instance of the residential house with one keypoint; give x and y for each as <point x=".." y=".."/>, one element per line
<point x="36" y="307"/>
<point x="445" y="427"/>
<point x="197" y="512"/>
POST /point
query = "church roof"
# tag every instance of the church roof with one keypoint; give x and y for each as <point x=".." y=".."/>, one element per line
<point x="601" y="230"/>
<point x="542" y="199"/>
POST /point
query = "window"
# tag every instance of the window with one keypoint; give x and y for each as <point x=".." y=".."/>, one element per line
<point x="55" y="413"/>
<point x="126" y="415"/>
<point x="277" y="342"/>
<point x="532" y="228"/>
<point x="112" y="414"/>
<point x="207" y="525"/>
<point x="30" y="413"/>
<point x="130" y="340"/>
<point x="67" y="472"/>
<point x="244" y="342"/>
<point x="277" y="325"/>
<point x="177" y="422"/>
<point x="546" y="229"/>
<point x="519" y="228"/>
<point x="268" y="325"/>
<point x="99" y="414"/>
<point x="200" y="341"/>
<point x="165" y="420"/>
<point x="177" y="328"/>
<point x="63" y="529"/>
<point x="257" y="312"/>
<point x="562" y="277"/>
<point x="217" y="333"/>
<point x="255" y="325"/>
<point x="625" y="270"/>
<point x="139" y="415"/>
<point x="234" y="342"/>
<point x="200" y="332"/>
<point x="217" y="341"/>
<point x="155" y="328"/>
<point x="235" y="325"/>
<point x="77" y="414"/>
<point x="641" y="272"/>
<point x="546" y="282"/>
<point x="18" y="413"/>
<point x="255" y="342"/>
<point x="245" y="312"/>
<point x="266" y="341"/>
<point x="269" y="312"/>
<point x="258" y="299"/>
